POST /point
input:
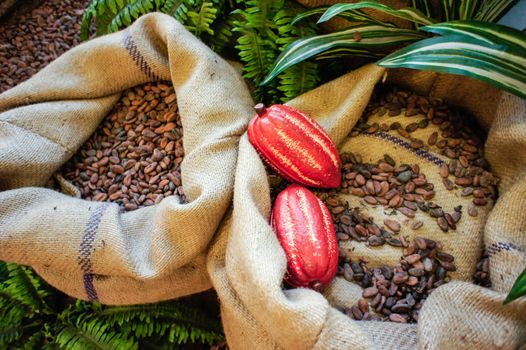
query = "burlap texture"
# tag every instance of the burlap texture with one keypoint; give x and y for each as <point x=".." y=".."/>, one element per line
<point x="247" y="264"/>
<point x="463" y="243"/>
<point x="92" y="250"/>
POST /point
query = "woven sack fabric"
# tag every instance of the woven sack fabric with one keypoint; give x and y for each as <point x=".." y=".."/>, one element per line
<point x="91" y="250"/>
<point x="247" y="264"/>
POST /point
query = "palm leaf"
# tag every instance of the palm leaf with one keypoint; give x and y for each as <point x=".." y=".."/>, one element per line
<point x="518" y="289"/>
<point x="423" y="6"/>
<point x="408" y="13"/>
<point x="448" y="9"/>
<point x="312" y="12"/>
<point x="483" y="31"/>
<point x="352" y="15"/>
<point x="493" y="10"/>
<point x="500" y="65"/>
<point x="360" y="37"/>
<point x="467" y="9"/>
<point x="343" y="52"/>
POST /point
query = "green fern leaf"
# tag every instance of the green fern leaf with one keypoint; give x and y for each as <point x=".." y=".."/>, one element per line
<point x="298" y="79"/>
<point x="256" y="46"/>
<point x="9" y="335"/>
<point x="4" y="274"/>
<point x="93" y="336"/>
<point x="89" y="14"/>
<point x="34" y="341"/>
<point x="52" y="346"/>
<point x="12" y="311"/>
<point x="304" y="76"/>
<point x="199" y="21"/>
<point x="181" y="13"/>
<point x="20" y="336"/>
<point x="177" y="321"/>
<point x="112" y="5"/>
<point x="129" y="13"/>
<point x="24" y="286"/>
<point x="222" y="34"/>
<point x="257" y="53"/>
<point x="170" y="6"/>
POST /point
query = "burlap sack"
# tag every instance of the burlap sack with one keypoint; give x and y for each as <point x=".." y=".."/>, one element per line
<point x="247" y="264"/>
<point x="91" y="250"/>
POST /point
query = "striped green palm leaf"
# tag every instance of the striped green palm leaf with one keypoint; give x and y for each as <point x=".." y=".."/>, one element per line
<point x="352" y="16"/>
<point x="497" y="57"/>
<point x="408" y="13"/>
<point x="518" y="289"/>
<point x="483" y="31"/>
<point x="360" y="37"/>
<point x="493" y="10"/>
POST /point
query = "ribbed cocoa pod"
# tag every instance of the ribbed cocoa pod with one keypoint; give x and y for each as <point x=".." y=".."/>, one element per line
<point x="295" y="146"/>
<point x="304" y="227"/>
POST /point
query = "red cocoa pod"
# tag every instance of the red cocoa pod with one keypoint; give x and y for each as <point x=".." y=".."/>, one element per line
<point x="304" y="227"/>
<point x="295" y="146"/>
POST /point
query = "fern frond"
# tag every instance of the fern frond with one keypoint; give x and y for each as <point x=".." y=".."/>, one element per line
<point x="90" y="13"/>
<point x="9" y="335"/>
<point x="112" y="15"/>
<point x="175" y="320"/>
<point x="34" y="341"/>
<point x="26" y="321"/>
<point x="304" y="76"/>
<point x="93" y="336"/>
<point x="257" y="54"/>
<point x="181" y="13"/>
<point x="257" y="45"/>
<point x="170" y="6"/>
<point x="14" y="335"/>
<point x="259" y="15"/>
<point x="298" y="79"/>
<point x="199" y="21"/>
<point x="24" y="286"/>
<point x="12" y="311"/>
<point x="223" y="34"/>
<point x="22" y="301"/>
<point x="129" y="13"/>
<point x="4" y="274"/>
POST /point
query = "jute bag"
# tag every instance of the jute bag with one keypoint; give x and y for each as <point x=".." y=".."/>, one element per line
<point x="91" y="250"/>
<point x="247" y="264"/>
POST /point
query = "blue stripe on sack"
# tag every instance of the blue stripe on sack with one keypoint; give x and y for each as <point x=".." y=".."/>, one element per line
<point x="422" y="153"/>
<point x="86" y="249"/>
<point x="138" y="58"/>
<point x="498" y="247"/>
